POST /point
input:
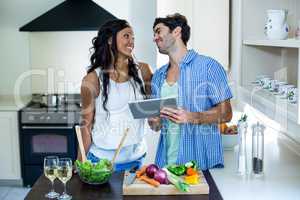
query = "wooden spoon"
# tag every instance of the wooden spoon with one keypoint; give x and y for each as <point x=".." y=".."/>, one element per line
<point x="79" y="138"/>
<point x="119" y="147"/>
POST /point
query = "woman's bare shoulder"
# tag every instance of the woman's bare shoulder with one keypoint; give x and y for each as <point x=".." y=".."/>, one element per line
<point x="91" y="77"/>
<point x="143" y="65"/>
<point x="145" y="68"/>
<point x="90" y="83"/>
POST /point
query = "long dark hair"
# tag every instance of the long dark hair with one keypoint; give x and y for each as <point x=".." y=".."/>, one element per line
<point x="103" y="56"/>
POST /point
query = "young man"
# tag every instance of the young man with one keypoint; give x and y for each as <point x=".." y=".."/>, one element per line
<point x="189" y="132"/>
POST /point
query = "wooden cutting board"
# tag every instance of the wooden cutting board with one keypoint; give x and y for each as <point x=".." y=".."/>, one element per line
<point x="141" y="188"/>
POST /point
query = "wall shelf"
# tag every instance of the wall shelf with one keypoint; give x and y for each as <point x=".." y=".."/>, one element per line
<point x="288" y="43"/>
<point x="271" y="105"/>
<point x="278" y="59"/>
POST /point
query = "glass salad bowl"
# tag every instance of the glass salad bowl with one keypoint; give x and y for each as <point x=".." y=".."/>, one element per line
<point x="94" y="173"/>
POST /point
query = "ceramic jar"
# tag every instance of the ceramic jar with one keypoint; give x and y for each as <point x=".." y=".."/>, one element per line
<point x="272" y="85"/>
<point x="259" y="79"/>
<point x="292" y="95"/>
<point x="278" y="88"/>
<point x="266" y="83"/>
<point x="285" y="90"/>
<point x="276" y="27"/>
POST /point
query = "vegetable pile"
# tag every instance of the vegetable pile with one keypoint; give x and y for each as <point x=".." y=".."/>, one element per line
<point x="97" y="173"/>
<point x="181" y="176"/>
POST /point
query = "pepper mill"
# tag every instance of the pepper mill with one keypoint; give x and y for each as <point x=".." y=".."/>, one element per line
<point x="258" y="148"/>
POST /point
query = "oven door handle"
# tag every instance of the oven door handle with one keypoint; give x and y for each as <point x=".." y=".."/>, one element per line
<point x="47" y="127"/>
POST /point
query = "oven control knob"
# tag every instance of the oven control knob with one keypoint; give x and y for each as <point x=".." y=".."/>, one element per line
<point x="64" y="117"/>
<point x="42" y="117"/>
<point x="31" y="118"/>
<point x="48" y="118"/>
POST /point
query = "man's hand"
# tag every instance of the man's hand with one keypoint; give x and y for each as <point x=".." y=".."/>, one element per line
<point x="155" y="123"/>
<point x="178" y="116"/>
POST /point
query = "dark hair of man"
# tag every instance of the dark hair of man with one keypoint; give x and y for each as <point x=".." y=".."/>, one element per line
<point x="172" y="21"/>
<point x="103" y="55"/>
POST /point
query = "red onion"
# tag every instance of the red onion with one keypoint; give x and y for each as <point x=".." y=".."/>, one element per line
<point x="161" y="176"/>
<point x="151" y="170"/>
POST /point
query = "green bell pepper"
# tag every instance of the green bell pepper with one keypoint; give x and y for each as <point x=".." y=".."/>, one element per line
<point x="178" y="170"/>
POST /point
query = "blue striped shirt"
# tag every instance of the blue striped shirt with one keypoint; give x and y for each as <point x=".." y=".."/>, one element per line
<point x="202" y="84"/>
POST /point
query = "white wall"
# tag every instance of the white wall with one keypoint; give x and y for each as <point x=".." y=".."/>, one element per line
<point x="60" y="55"/>
<point x="142" y="15"/>
<point x="14" y="45"/>
<point x="63" y="56"/>
<point x="210" y="29"/>
<point x="209" y="21"/>
<point x="59" y="58"/>
<point x="236" y="44"/>
<point x="120" y="9"/>
<point x="166" y="7"/>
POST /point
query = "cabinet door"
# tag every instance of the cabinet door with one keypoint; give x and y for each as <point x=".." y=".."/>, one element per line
<point x="9" y="146"/>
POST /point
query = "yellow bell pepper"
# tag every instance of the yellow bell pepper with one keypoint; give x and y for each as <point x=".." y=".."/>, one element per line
<point x="192" y="180"/>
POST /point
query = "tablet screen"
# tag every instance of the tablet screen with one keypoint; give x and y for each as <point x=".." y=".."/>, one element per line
<point x="150" y="107"/>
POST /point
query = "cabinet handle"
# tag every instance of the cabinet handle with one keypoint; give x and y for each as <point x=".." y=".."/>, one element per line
<point x="47" y="127"/>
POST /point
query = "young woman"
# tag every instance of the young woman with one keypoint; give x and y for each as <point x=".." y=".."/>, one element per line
<point x="113" y="80"/>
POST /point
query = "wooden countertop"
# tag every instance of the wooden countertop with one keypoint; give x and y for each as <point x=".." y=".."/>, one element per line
<point x="111" y="190"/>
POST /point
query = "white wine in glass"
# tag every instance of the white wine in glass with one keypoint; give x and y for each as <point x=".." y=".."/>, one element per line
<point x="50" y="173"/>
<point x="64" y="174"/>
<point x="50" y="170"/>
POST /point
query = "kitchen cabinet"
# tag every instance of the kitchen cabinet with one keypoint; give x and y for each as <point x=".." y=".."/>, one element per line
<point x="278" y="59"/>
<point x="9" y="144"/>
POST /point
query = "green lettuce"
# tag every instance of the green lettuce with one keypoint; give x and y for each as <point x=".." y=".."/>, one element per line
<point x="94" y="173"/>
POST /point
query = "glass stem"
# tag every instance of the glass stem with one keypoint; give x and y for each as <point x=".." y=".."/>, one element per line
<point x="65" y="190"/>
<point x="52" y="186"/>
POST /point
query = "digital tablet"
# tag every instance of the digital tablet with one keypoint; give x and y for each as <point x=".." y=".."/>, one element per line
<point x="150" y="107"/>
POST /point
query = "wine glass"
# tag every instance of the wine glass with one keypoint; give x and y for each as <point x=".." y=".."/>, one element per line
<point x="50" y="170"/>
<point x="64" y="174"/>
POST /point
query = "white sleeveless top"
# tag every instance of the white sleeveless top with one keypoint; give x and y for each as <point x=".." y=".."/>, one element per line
<point x="108" y="129"/>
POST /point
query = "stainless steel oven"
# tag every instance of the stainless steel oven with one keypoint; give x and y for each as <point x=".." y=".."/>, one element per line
<point x="46" y="131"/>
<point x="40" y="141"/>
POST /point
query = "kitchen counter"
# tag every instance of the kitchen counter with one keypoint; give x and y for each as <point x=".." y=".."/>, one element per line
<point x="281" y="178"/>
<point x="111" y="190"/>
<point x="10" y="103"/>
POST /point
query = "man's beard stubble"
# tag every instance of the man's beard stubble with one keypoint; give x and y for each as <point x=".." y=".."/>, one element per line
<point x="169" y="43"/>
